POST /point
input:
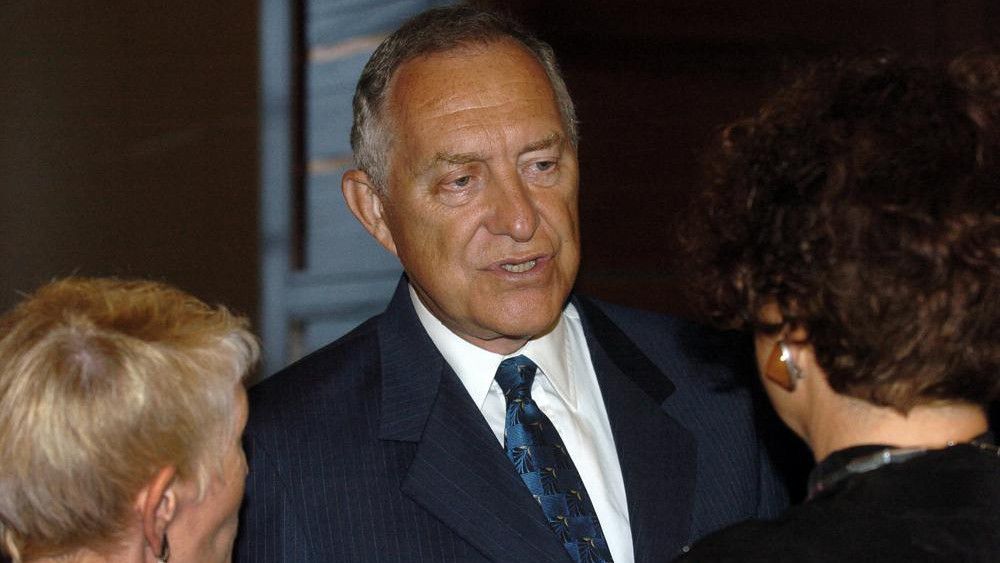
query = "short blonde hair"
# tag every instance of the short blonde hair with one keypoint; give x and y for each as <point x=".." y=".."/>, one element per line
<point x="102" y="383"/>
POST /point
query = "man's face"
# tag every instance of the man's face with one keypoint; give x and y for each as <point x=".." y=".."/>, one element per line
<point x="481" y="206"/>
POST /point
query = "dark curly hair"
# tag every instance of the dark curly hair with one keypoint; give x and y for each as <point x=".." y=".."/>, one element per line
<point x="862" y="199"/>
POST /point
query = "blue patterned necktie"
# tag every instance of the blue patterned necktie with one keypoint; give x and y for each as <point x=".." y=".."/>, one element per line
<point x="534" y="447"/>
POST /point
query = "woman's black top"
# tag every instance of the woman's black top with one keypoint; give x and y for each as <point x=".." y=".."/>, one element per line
<point x="938" y="505"/>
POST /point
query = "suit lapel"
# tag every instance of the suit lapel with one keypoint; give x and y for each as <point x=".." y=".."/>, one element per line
<point x="461" y="475"/>
<point x="657" y="455"/>
<point x="459" y="472"/>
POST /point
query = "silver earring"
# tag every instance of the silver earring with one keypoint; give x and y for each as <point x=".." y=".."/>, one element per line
<point x="786" y="357"/>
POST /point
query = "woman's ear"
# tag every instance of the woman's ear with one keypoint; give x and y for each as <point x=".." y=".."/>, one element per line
<point x="365" y="202"/>
<point x="157" y="504"/>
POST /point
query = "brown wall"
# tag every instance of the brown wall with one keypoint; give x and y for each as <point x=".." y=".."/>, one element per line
<point x="128" y="144"/>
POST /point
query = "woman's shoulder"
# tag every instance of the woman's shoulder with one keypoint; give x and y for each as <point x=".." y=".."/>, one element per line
<point x="800" y="534"/>
<point x="815" y="532"/>
<point x="940" y="507"/>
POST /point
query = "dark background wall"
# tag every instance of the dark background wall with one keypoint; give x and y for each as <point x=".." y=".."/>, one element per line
<point x="654" y="79"/>
<point x="129" y="135"/>
<point x="128" y="138"/>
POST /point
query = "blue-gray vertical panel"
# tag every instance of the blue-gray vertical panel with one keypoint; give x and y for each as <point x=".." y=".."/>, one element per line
<point x="329" y="91"/>
<point x="276" y="165"/>
<point x="336" y="21"/>
<point x="336" y="243"/>
<point x="348" y="276"/>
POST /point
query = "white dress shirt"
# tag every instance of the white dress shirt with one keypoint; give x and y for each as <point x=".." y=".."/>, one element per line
<point x="566" y="390"/>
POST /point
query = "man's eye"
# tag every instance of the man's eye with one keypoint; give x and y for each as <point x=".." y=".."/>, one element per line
<point x="545" y="165"/>
<point x="461" y="182"/>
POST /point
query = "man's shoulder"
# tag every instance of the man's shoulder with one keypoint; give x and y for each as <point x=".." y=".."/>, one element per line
<point x="673" y="340"/>
<point x="630" y="317"/>
<point x="344" y="366"/>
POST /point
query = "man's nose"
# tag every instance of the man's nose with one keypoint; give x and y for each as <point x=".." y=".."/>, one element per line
<point x="513" y="210"/>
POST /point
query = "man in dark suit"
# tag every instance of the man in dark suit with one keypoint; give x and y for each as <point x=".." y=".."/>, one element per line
<point x="487" y="414"/>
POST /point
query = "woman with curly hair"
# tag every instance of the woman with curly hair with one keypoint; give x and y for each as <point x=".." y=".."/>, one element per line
<point x="853" y="225"/>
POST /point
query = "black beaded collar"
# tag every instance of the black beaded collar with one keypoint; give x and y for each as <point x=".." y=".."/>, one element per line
<point x="843" y="464"/>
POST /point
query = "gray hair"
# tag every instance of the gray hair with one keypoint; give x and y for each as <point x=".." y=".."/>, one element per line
<point x="434" y="31"/>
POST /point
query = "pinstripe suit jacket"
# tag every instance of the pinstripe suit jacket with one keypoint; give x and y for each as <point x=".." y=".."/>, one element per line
<point x="370" y="449"/>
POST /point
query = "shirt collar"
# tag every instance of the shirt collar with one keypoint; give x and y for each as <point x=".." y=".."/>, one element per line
<point x="476" y="367"/>
<point x="551" y="352"/>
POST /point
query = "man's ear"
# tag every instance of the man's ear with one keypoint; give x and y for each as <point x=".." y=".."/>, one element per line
<point x="365" y="203"/>
<point x="157" y="505"/>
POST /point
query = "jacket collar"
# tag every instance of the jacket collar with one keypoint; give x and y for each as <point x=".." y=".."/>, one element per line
<point x="460" y="474"/>
<point x="658" y="455"/>
<point x="411" y="370"/>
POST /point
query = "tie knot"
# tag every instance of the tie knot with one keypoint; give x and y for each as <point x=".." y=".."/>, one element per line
<point x="515" y="376"/>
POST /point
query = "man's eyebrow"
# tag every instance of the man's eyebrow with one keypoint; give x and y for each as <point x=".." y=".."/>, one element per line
<point x="550" y="140"/>
<point x="450" y="159"/>
<point x="456" y="158"/>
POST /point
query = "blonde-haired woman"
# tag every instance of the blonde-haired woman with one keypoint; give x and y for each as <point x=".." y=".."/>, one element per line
<point x="121" y="411"/>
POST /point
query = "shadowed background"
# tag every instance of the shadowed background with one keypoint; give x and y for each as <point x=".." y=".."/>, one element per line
<point x="129" y="143"/>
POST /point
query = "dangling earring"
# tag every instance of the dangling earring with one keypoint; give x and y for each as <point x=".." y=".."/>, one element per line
<point x="781" y="368"/>
<point x="164" y="555"/>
